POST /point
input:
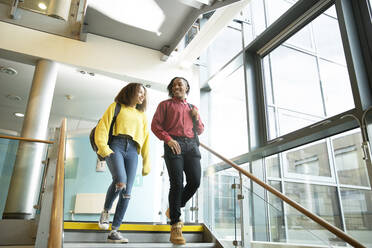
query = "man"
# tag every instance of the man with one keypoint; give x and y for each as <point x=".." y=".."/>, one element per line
<point x="173" y="124"/>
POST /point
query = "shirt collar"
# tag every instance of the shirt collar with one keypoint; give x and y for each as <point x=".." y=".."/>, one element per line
<point x="178" y="100"/>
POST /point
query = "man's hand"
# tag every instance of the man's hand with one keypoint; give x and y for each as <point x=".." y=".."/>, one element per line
<point x="174" y="146"/>
<point x="194" y="113"/>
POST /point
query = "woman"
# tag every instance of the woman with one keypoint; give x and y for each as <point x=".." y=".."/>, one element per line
<point x="130" y="138"/>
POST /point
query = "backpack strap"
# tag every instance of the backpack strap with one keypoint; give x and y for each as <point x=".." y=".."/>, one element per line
<point x="117" y="110"/>
<point x="194" y="124"/>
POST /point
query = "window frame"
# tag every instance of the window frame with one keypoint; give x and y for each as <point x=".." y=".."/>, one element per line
<point x="297" y="17"/>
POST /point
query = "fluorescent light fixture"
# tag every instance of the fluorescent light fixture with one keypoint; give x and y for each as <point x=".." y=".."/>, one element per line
<point x="19" y="115"/>
<point x="143" y="14"/>
<point x="42" y="6"/>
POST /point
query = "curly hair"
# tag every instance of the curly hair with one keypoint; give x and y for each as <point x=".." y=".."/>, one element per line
<point x="127" y="93"/>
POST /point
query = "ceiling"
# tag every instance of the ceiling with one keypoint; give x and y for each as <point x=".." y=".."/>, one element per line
<point x="85" y="107"/>
<point x="155" y="24"/>
<point x="101" y="24"/>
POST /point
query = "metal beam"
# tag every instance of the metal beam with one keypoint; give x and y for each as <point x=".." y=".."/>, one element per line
<point x="354" y="55"/>
<point x="190" y="20"/>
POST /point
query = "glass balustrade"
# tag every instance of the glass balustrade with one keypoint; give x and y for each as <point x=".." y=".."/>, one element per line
<point x="9" y="148"/>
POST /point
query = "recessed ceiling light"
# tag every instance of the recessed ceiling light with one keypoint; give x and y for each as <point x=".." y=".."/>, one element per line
<point x="8" y="70"/>
<point x="42" y="6"/>
<point x="19" y="114"/>
<point x="148" y="85"/>
<point x="69" y="97"/>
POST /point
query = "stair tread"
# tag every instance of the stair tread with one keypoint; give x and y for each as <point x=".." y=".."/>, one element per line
<point x="136" y="245"/>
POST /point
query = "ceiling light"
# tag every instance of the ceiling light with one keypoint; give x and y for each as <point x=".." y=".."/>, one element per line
<point x="148" y="85"/>
<point x="19" y="115"/>
<point x="69" y="97"/>
<point x="8" y="70"/>
<point x="42" y="6"/>
<point x="143" y="14"/>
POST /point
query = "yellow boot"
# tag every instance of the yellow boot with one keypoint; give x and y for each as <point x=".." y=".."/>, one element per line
<point x="176" y="234"/>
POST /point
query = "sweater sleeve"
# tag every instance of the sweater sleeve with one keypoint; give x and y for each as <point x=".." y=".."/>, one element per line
<point x="145" y="150"/>
<point x="157" y="123"/>
<point x="102" y="132"/>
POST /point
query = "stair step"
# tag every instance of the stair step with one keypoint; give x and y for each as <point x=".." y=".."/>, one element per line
<point x="136" y="245"/>
<point x="134" y="237"/>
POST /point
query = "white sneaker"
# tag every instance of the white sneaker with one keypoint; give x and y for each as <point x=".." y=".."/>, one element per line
<point x="104" y="221"/>
<point x="115" y="237"/>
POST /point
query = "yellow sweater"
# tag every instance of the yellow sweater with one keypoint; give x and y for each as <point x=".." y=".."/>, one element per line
<point x="130" y="121"/>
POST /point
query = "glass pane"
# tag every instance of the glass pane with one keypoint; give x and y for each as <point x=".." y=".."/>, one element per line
<point x="268" y="214"/>
<point x="227" y="44"/>
<point x="259" y="14"/>
<point x="321" y="200"/>
<point x="296" y="81"/>
<point x="290" y="121"/>
<point x="268" y="81"/>
<point x="273" y="166"/>
<point x="226" y="207"/>
<point x="326" y="29"/>
<point x="259" y="206"/>
<point x="357" y="207"/>
<point x="277" y="225"/>
<point x="332" y="11"/>
<point x="351" y="168"/>
<point x="302" y="39"/>
<point x="254" y="16"/>
<point x="8" y="152"/>
<point x="310" y="160"/>
<point x="276" y="9"/>
<point x="272" y="126"/>
<point x="336" y="87"/>
<point x="229" y="110"/>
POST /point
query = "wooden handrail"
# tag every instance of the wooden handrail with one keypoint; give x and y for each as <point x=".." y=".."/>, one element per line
<point x="56" y="219"/>
<point x="336" y="231"/>
<point x="26" y="139"/>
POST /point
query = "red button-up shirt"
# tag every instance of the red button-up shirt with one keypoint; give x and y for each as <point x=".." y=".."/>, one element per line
<point x="173" y="117"/>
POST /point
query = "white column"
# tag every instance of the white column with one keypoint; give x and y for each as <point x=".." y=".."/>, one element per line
<point x="24" y="187"/>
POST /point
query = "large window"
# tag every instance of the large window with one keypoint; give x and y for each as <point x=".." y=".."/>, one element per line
<point x="219" y="53"/>
<point x="228" y="132"/>
<point x="316" y="176"/>
<point x="306" y="79"/>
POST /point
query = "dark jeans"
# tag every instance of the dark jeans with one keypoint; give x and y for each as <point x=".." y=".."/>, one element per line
<point x="189" y="162"/>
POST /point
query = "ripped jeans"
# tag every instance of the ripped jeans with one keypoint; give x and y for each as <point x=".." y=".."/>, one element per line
<point x="123" y="167"/>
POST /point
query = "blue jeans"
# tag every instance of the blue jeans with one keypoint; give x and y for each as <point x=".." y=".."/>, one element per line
<point x="123" y="167"/>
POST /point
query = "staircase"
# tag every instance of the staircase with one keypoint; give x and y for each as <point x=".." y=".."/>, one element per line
<point x="87" y="234"/>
